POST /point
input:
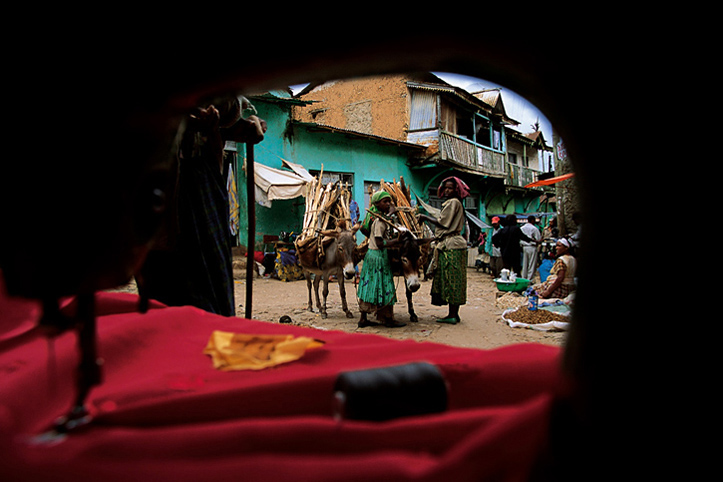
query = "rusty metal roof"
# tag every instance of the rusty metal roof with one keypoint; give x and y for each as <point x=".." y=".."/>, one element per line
<point x="487" y="100"/>
<point x="329" y="128"/>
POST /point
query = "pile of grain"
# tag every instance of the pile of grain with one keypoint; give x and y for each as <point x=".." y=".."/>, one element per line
<point x="523" y="315"/>
<point x="510" y="300"/>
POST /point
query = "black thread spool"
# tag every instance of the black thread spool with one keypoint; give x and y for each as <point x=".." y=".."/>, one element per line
<point x="386" y="393"/>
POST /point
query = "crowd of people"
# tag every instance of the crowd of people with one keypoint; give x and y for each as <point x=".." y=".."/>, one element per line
<point x="519" y="248"/>
<point x="510" y="246"/>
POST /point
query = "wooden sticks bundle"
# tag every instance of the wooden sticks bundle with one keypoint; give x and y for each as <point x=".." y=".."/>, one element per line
<point x="402" y="199"/>
<point x="326" y="205"/>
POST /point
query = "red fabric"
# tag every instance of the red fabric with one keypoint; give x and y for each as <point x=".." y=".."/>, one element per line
<point x="164" y="412"/>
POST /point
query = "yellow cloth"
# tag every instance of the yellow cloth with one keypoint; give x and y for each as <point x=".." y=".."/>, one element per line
<point x="238" y="351"/>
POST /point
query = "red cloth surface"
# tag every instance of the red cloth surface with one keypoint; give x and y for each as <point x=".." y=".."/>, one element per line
<point x="164" y="413"/>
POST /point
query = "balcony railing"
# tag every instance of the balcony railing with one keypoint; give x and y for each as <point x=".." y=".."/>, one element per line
<point x="486" y="161"/>
<point x="519" y="176"/>
<point x="473" y="156"/>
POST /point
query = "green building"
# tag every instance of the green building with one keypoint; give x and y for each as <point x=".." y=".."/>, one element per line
<point x="413" y="126"/>
<point x="360" y="160"/>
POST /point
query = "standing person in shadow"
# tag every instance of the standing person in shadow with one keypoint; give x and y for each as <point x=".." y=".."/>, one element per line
<point x="508" y="240"/>
<point x="191" y="262"/>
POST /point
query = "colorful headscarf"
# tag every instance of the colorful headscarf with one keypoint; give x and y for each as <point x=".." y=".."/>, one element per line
<point x="376" y="197"/>
<point x="460" y="188"/>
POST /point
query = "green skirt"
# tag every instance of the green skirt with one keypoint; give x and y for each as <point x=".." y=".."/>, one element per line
<point x="449" y="286"/>
<point x="376" y="283"/>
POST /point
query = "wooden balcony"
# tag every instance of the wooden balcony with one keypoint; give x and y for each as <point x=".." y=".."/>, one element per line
<point x="483" y="160"/>
<point x="472" y="156"/>
<point x="519" y="176"/>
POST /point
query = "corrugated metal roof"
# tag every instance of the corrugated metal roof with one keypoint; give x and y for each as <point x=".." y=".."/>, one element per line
<point x="488" y="96"/>
<point x="531" y="138"/>
<point x="328" y="128"/>
<point x="433" y="87"/>
<point x="493" y="98"/>
<point x="279" y="96"/>
<point x="490" y="103"/>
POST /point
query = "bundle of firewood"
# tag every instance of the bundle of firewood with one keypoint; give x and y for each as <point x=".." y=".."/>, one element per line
<point x="402" y="199"/>
<point x="406" y="215"/>
<point x="327" y="207"/>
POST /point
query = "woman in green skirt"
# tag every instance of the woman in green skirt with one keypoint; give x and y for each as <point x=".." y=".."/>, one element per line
<point x="449" y="261"/>
<point x="376" y="291"/>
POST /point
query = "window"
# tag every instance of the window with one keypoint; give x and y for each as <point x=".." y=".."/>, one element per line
<point x="345" y="178"/>
<point x="465" y="127"/>
<point x="423" y="112"/>
<point x="496" y="138"/>
<point x="488" y="134"/>
<point x="483" y="132"/>
<point x="369" y="189"/>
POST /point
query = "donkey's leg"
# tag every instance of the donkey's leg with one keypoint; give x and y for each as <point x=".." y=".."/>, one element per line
<point x="342" y="292"/>
<point x="310" y="305"/>
<point x="317" y="280"/>
<point x="325" y="293"/>
<point x="410" y="307"/>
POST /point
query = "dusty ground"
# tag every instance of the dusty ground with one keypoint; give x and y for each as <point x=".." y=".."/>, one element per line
<point x="481" y="326"/>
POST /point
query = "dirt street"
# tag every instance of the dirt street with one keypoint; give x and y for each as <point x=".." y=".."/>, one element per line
<point x="481" y="326"/>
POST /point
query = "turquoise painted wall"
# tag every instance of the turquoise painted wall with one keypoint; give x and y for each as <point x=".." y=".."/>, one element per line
<point x="368" y="160"/>
<point x="284" y="215"/>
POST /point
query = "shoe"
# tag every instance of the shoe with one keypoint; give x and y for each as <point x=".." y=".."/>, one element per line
<point x="453" y="320"/>
<point x="365" y="323"/>
<point x="394" y="324"/>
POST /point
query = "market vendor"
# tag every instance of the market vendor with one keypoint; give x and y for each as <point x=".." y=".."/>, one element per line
<point x="561" y="281"/>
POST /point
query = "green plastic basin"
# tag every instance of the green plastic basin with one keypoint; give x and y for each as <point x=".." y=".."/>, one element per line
<point x="520" y="284"/>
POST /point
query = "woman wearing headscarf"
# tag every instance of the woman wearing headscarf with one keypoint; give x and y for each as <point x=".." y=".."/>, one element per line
<point x="376" y="291"/>
<point x="561" y="281"/>
<point x="449" y="285"/>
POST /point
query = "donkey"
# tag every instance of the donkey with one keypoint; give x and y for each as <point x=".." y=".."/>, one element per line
<point x="334" y="258"/>
<point x="405" y="261"/>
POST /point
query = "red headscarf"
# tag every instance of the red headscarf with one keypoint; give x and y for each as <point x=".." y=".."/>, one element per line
<point x="460" y="188"/>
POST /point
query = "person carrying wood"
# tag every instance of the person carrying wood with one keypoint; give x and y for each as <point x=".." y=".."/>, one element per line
<point x="376" y="291"/>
